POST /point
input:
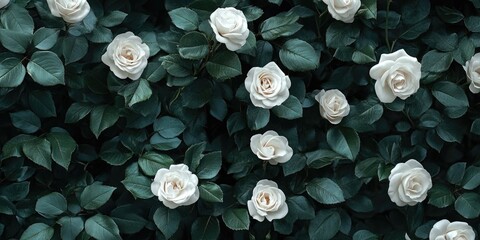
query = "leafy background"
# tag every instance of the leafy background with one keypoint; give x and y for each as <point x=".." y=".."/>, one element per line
<point x="80" y="147"/>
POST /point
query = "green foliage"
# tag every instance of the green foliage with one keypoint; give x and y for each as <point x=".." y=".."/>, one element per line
<point x="81" y="147"/>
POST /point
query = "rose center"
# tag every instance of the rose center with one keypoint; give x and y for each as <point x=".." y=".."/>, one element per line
<point x="68" y="4"/>
<point x="335" y="104"/>
<point x="229" y="20"/>
<point x="128" y="54"/>
<point x="398" y="81"/>
<point x="268" y="150"/>
<point x="341" y="3"/>
<point x="415" y="187"/>
<point x="267" y="84"/>
<point x="265" y="199"/>
<point x="174" y="184"/>
<point x="477" y="71"/>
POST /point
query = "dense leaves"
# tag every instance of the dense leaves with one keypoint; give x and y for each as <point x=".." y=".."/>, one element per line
<point x="81" y="146"/>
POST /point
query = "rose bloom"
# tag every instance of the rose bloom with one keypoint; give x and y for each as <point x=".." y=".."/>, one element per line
<point x="271" y="147"/>
<point x="176" y="186"/>
<point x="268" y="86"/>
<point x="446" y="230"/>
<point x="268" y="201"/>
<point x="409" y="183"/>
<point x="472" y="68"/>
<point x="333" y="105"/>
<point x="230" y="27"/>
<point x="72" y="11"/>
<point x="4" y="3"/>
<point x="127" y="56"/>
<point x="397" y="75"/>
<point x="343" y="10"/>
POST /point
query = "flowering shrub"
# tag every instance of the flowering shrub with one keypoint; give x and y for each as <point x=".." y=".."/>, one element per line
<point x="236" y="119"/>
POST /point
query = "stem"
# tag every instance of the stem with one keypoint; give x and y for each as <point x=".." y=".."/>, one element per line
<point x="386" y="26"/>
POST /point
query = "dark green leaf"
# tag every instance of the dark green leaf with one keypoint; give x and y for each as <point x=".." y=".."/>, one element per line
<point x="296" y="164"/>
<point x="167" y="220"/>
<point x="17" y="19"/>
<point x="113" y="19"/>
<point x="16" y="42"/>
<point x="290" y="109"/>
<point x="38" y="231"/>
<point x="38" y="150"/>
<point x="451" y="130"/>
<point x="471" y="179"/>
<point x="184" y="18"/>
<point x="52" y="204"/>
<point x="257" y="118"/>
<point x="193" y="155"/>
<point x="224" y="65"/>
<point x="16" y="191"/>
<point x="455" y="173"/>
<point x="41" y="102"/>
<point x="63" y="146"/>
<point x="46" y="69"/>
<point x="449" y="15"/>
<point x="193" y="45"/>
<point x="211" y="192"/>
<point x="151" y="162"/>
<point x="440" y="196"/>
<point x="12" y="72"/>
<point x="414" y="11"/>
<point x="26" y="121"/>
<point x="205" y="228"/>
<point x="321" y="158"/>
<point x="364" y="235"/>
<point x="325" y="191"/>
<point x="127" y="219"/>
<point x="139" y="186"/>
<point x="325" y="225"/>
<point x="452" y="97"/>
<point x="472" y="23"/>
<point x="103" y="117"/>
<point x="281" y="25"/>
<point x="298" y="55"/>
<point x="468" y="205"/>
<point x="74" y="48"/>
<point x="95" y="195"/>
<point x="71" y="227"/>
<point x="236" y="219"/>
<point x="344" y="141"/>
<point x="435" y="61"/>
<point x="102" y="227"/>
<point x="368" y="9"/>
<point x="367" y="168"/>
<point x="301" y="207"/>
<point x="77" y="111"/>
<point x="13" y="148"/>
<point x="210" y="165"/>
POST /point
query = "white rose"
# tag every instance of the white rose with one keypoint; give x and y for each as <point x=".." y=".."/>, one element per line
<point x="397" y="75"/>
<point x="409" y="183"/>
<point x="72" y="11"/>
<point x="343" y="10"/>
<point x="268" y="86"/>
<point x="472" y="68"/>
<point x="333" y="105"/>
<point x="4" y="3"/>
<point x="268" y="201"/>
<point x="271" y="147"/>
<point x="446" y="230"/>
<point x="127" y="56"/>
<point x="176" y="186"/>
<point x="230" y="27"/>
